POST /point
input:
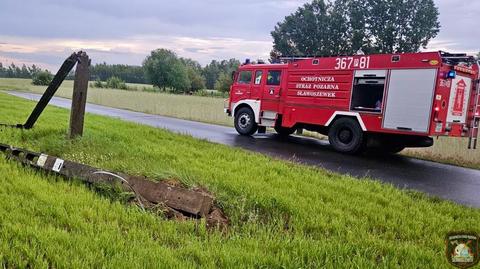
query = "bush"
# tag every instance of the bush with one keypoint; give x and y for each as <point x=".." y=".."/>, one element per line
<point x="211" y="93"/>
<point x="98" y="84"/>
<point x="42" y="78"/>
<point x="111" y="83"/>
<point x="116" y="83"/>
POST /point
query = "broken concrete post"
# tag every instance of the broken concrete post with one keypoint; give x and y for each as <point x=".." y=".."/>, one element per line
<point x="79" y="98"/>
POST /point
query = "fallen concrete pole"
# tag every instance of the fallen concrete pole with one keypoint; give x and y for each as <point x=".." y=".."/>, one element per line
<point x="181" y="201"/>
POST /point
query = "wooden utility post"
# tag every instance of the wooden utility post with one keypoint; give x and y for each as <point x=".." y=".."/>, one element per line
<point x="79" y="98"/>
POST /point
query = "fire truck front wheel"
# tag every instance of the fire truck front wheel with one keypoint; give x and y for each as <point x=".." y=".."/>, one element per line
<point x="346" y="136"/>
<point x="245" y="121"/>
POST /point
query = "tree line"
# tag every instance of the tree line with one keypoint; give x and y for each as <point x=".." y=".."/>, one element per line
<point x="166" y="70"/>
<point x="15" y="71"/>
<point x="162" y="68"/>
<point x="128" y="73"/>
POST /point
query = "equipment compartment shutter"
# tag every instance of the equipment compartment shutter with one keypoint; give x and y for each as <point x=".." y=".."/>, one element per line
<point x="410" y="99"/>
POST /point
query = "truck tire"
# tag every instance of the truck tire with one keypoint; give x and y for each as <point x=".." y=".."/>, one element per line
<point x="245" y="122"/>
<point x="346" y="136"/>
<point x="284" y="131"/>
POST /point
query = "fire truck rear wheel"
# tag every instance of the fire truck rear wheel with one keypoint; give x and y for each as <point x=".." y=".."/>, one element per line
<point x="245" y="121"/>
<point x="346" y="136"/>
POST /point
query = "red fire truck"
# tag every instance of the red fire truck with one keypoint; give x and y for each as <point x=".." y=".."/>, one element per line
<point x="385" y="101"/>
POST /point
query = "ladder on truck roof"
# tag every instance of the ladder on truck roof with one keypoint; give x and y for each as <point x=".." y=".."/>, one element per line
<point x="473" y="135"/>
<point x="457" y="58"/>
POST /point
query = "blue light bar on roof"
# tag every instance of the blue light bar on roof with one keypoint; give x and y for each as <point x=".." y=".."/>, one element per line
<point x="451" y="74"/>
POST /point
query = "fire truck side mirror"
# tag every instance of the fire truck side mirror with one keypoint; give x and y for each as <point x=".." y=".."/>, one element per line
<point x="233" y="76"/>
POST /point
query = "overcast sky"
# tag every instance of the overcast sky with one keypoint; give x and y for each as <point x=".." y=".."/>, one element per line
<point x="118" y="31"/>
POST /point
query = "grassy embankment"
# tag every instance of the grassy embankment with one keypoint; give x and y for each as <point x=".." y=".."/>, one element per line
<point x="282" y="214"/>
<point x="210" y="110"/>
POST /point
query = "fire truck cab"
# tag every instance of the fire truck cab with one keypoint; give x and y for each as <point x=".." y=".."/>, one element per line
<point x="384" y="101"/>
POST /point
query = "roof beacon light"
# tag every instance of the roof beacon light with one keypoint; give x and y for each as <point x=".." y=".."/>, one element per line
<point x="451" y="74"/>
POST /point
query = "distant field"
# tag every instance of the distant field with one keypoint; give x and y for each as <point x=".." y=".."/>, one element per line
<point x="449" y="150"/>
<point x="196" y="108"/>
<point x="210" y="110"/>
<point x="283" y="215"/>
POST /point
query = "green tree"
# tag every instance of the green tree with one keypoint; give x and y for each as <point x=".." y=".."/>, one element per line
<point x="128" y="73"/>
<point x="179" y="78"/>
<point x="345" y="26"/>
<point x="211" y="73"/>
<point x="33" y="69"/>
<point x="194" y="73"/>
<point x="197" y="81"/>
<point x="213" y="70"/>
<point x="165" y="70"/>
<point x="223" y="82"/>
<point x="13" y="71"/>
<point x="303" y="32"/>
<point x="401" y="25"/>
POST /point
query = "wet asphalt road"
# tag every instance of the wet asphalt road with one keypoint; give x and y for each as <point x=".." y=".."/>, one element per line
<point x="458" y="184"/>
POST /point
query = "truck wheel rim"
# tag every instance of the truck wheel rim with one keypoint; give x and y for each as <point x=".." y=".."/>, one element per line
<point x="244" y="121"/>
<point x="345" y="136"/>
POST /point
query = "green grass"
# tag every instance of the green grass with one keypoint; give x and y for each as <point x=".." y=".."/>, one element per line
<point x="282" y="214"/>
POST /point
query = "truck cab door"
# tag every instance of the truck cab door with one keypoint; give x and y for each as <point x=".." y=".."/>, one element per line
<point x="241" y="89"/>
<point x="257" y="87"/>
<point x="272" y="90"/>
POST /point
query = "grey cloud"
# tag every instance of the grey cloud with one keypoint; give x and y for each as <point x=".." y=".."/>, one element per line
<point x="194" y="50"/>
<point x="47" y="59"/>
<point x="460" y="24"/>
<point x="199" y="50"/>
<point x="110" y="18"/>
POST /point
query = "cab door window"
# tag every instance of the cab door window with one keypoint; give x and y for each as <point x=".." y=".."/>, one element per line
<point x="245" y="77"/>
<point x="274" y="77"/>
<point x="258" y="77"/>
